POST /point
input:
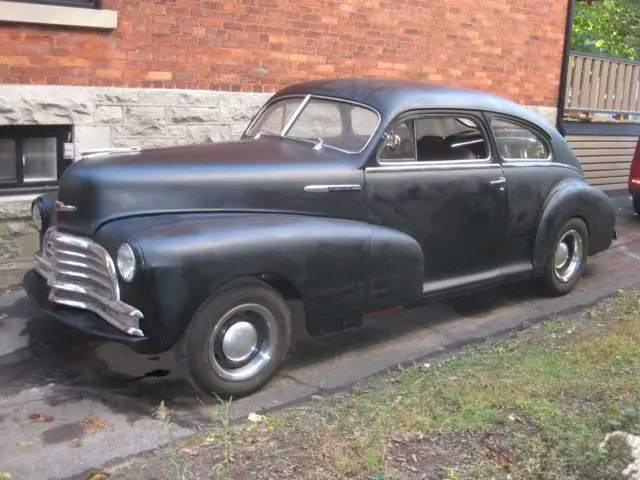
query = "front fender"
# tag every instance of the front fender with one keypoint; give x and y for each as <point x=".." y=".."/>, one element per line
<point x="574" y="198"/>
<point x="328" y="261"/>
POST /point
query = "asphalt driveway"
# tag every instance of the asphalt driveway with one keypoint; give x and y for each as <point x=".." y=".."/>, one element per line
<point x="69" y="403"/>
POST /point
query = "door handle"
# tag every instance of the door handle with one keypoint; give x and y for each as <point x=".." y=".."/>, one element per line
<point x="500" y="181"/>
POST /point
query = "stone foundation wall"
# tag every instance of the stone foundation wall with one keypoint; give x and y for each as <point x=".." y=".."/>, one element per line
<point x="110" y="117"/>
<point x="117" y="117"/>
<point x="18" y="240"/>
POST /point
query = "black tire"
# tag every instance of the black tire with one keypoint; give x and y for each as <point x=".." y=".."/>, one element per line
<point x="553" y="282"/>
<point x="207" y="372"/>
<point x="636" y="205"/>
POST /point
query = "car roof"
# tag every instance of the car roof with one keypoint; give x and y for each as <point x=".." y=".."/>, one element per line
<point x="391" y="97"/>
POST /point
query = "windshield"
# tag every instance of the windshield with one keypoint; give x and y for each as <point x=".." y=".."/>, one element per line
<point x="340" y="125"/>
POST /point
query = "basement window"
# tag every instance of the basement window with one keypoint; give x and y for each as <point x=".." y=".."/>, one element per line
<point x="32" y="157"/>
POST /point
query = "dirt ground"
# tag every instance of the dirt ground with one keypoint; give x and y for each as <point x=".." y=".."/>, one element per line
<point x="533" y="405"/>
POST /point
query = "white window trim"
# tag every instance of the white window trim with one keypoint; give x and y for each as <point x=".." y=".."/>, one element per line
<point x="58" y="15"/>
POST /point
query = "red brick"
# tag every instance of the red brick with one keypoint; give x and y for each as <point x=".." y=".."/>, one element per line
<point x="160" y="75"/>
<point x="218" y="44"/>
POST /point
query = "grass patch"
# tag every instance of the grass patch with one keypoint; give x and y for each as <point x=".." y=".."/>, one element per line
<point x="533" y="406"/>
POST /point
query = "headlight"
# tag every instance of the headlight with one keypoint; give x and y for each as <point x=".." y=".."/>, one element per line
<point x="126" y="262"/>
<point x="36" y="214"/>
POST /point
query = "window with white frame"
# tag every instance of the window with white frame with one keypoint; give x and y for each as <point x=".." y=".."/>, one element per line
<point x="65" y="3"/>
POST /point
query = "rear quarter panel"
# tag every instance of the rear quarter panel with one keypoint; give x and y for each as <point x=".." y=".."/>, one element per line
<point x="574" y="198"/>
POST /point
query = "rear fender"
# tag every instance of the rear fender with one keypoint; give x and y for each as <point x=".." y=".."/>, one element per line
<point x="574" y="198"/>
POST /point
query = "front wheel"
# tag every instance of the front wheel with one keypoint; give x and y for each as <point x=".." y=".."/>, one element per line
<point x="636" y="204"/>
<point x="568" y="258"/>
<point x="236" y="340"/>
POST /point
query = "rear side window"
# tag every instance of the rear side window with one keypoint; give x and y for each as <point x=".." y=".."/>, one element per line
<point x="516" y="142"/>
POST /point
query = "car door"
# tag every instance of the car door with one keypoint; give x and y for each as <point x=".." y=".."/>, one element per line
<point x="435" y="179"/>
<point x="526" y="156"/>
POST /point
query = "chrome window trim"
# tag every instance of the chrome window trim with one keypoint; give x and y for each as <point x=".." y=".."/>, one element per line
<point x="422" y="166"/>
<point x="485" y="134"/>
<point x="298" y="111"/>
<point x="109" y="307"/>
<point x="294" y="116"/>
<point x="542" y="163"/>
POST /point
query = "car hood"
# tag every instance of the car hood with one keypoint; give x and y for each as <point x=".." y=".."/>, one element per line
<point x="267" y="174"/>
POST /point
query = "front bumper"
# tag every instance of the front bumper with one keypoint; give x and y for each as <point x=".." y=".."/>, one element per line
<point x="85" y="321"/>
<point x="81" y="274"/>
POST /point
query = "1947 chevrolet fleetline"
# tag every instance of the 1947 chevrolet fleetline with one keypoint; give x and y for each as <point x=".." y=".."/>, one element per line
<point x="351" y="196"/>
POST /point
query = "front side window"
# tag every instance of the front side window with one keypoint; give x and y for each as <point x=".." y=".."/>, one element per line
<point x="275" y="118"/>
<point x="516" y="142"/>
<point x="337" y="124"/>
<point x="400" y="144"/>
<point x="435" y="139"/>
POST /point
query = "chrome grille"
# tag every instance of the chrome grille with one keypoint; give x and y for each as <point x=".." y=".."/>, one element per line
<point x="82" y="275"/>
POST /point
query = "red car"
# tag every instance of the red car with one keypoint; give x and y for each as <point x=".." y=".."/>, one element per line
<point x="634" y="179"/>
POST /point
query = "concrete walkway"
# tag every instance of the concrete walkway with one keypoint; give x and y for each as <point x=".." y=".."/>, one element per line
<point x="69" y="403"/>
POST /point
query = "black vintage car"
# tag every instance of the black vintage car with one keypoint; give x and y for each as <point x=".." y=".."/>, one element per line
<point x="356" y="197"/>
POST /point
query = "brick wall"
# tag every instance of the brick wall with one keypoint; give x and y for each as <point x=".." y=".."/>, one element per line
<point x="509" y="47"/>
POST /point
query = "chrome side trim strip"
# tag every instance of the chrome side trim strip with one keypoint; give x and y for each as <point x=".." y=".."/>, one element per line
<point x="455" y="165"/>
<point x="532" y="163"/>
<point x="332" y="188"/>
<point x="542" y="163"/>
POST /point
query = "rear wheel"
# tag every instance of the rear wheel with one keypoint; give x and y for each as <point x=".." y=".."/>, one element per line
<point x="236" y="340"/>
<point x="568" y="258"/>
<point x="636" y="204"/>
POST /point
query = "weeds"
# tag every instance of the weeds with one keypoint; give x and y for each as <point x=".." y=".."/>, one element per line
<point x="223" y="436"/>
<point x="179" y="467"/>
<point x="534" y="405"/>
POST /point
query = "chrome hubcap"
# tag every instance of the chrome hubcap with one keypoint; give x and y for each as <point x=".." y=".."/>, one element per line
<point x="243" y="342"/>
<point x="562" y="254"/>
<point x="239" y="341"/>
<point x="568" y="256"/>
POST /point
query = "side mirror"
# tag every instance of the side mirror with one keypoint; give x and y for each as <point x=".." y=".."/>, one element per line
<point x="392" y="141"/>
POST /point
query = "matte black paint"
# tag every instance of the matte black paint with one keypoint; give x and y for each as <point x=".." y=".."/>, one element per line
<point x="456" y="215"/>
<point x="207" y="178"/>
<point x="201" y="216"/>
